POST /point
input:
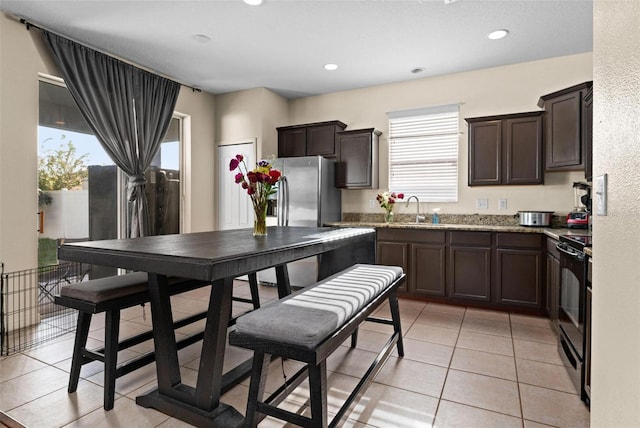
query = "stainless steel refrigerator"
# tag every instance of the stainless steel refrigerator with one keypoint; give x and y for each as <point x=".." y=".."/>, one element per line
<point x="306" y="196"/>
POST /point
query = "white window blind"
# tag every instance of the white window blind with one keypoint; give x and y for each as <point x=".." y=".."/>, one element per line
<point x="423" y="153"/>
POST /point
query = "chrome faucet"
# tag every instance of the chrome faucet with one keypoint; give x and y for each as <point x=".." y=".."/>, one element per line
<point x="418" y="216"/>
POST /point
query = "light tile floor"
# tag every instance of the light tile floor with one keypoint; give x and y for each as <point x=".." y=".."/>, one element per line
<point x="463" y="367"/>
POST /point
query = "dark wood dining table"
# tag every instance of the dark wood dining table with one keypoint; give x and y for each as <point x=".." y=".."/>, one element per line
<point x="216" y="257"/>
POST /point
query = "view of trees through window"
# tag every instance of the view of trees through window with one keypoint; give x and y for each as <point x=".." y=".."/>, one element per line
<point x="79" y="185"/>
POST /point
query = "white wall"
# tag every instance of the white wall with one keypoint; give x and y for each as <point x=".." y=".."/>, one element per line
<point x="67" y="216"/>
<point x="251" y="114"/>
<point x="500" y="90"/>
<point x="20" y="62"/>
<point x="615" y="400"/>
<point x="200" y="106"/>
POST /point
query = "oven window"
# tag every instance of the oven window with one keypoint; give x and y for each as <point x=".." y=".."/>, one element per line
<point x="571" y="301"/>
<point x="570" y="297"/>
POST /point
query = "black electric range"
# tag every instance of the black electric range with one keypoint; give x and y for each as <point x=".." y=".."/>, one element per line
<point x="579" y="242"/>
<point x="572" y="308"/>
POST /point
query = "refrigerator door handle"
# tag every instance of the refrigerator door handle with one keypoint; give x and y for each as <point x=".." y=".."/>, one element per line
<point x="286" y="202"/>
<point x="279" y="202"/>
<point x="283" y="202"/>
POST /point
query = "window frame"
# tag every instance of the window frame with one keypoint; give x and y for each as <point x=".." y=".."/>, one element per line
<point x="409" y="132"/>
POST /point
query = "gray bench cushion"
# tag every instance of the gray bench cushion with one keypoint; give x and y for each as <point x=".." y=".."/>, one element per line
<point x="310" y="315"/>
<point x="103" y="289"/>
<point x="113" y="287"/>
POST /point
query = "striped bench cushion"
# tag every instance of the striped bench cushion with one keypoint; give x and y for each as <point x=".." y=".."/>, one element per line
<point x="310" y="315"/>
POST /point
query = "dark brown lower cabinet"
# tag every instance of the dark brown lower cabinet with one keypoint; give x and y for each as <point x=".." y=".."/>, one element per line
<point x="395" y="254"/>
<point x="519" y="264"/>
<point x="518" y="277"/>
<point x="552" y="281"/>
<point x="490" y="269"/>
<point x="470" y="266"/>
<point x="422" y="255"/>
<point x="429" y="263"/>
<point x="470" y="273"/>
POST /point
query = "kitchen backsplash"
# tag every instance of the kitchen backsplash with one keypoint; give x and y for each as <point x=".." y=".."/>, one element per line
<point x="479" y="219"/>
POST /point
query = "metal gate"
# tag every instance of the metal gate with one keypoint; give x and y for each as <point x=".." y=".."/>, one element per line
<point x="28" y="313"/>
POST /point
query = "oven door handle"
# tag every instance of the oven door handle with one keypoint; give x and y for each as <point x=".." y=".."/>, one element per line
<point x="573" y="254"/>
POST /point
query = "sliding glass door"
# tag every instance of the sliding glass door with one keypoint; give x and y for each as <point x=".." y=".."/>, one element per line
<point x="81" y="193"/>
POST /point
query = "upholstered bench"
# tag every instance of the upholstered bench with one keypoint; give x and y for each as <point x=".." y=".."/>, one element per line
<point x="310" y="325"/>
<point x="111" y="295"/>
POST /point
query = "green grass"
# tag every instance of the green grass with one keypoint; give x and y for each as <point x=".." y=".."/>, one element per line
<point x="47" y="252"/>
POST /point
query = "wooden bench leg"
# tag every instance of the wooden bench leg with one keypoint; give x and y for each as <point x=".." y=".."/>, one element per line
<point x="318" y="392"/>
<point x="253" y="287"/>
<point x="80" y="344"/>
<point x="256" y="387"/>
<point x="395" y="316"/>
<point x="112" y="328"/>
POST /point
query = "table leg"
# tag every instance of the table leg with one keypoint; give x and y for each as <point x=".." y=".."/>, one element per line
<point x="282" y="278"/>
<point x="213" y="346"/>
<point x="164" y="337"/>
<point x="198" y="406"/>
<point x="341" y="258"/>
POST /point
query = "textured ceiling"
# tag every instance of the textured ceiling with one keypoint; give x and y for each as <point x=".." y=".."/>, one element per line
<point x="283" y="44"/>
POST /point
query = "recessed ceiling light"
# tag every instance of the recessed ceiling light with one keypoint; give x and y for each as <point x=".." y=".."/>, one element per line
<point x="331" y="67"/>
<point x="498" y="34"/>
<point x="253" y="2"/>
<point x="201" y="38"/>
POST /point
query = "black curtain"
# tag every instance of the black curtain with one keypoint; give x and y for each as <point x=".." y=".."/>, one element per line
<point x="128" y="109"/>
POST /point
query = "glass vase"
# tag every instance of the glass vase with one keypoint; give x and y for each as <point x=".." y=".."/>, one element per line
<point x="260" y="221"/>
<point x="260" y="227"/>
<point x="388" y="217"/>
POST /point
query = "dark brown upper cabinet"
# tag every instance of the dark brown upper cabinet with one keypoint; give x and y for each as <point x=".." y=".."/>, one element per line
<point x="587" y="130"/>
<point x="357" y="166"/>
<point x="311" y="139"/>
<point x="506" y="149"/>
<point x="565" y="121"/>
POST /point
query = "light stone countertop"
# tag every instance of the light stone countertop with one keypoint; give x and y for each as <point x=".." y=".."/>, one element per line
<point x="548" y="231"/>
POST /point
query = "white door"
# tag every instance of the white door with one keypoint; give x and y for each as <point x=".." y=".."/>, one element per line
<point x="234" y="205"/>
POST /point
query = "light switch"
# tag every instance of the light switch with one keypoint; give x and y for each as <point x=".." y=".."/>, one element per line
<point x="482" y="204"/>
<point x="601" y="195"/>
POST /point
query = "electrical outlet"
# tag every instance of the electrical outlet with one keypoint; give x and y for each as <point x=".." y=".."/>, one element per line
<point x="502" y="204"/>
<point x="601" y="195"/>
<point x="372" y="203"/>
<point x="482" y="204"/>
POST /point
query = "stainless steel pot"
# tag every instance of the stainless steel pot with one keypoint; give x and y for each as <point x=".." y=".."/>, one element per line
<point x="535" y="218"/>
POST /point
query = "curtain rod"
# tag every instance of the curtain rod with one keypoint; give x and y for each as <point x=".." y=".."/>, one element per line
<point x="29" y="25"/>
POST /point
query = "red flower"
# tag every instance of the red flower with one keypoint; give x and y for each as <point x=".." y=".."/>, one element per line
<point x="274" y="176"/>
<point x="388" y="199"/>
<point x="235" y="162"/>
<point x="259" y="183"/>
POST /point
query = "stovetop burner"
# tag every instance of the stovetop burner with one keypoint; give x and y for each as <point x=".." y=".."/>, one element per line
<point x="577" y="241"/>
